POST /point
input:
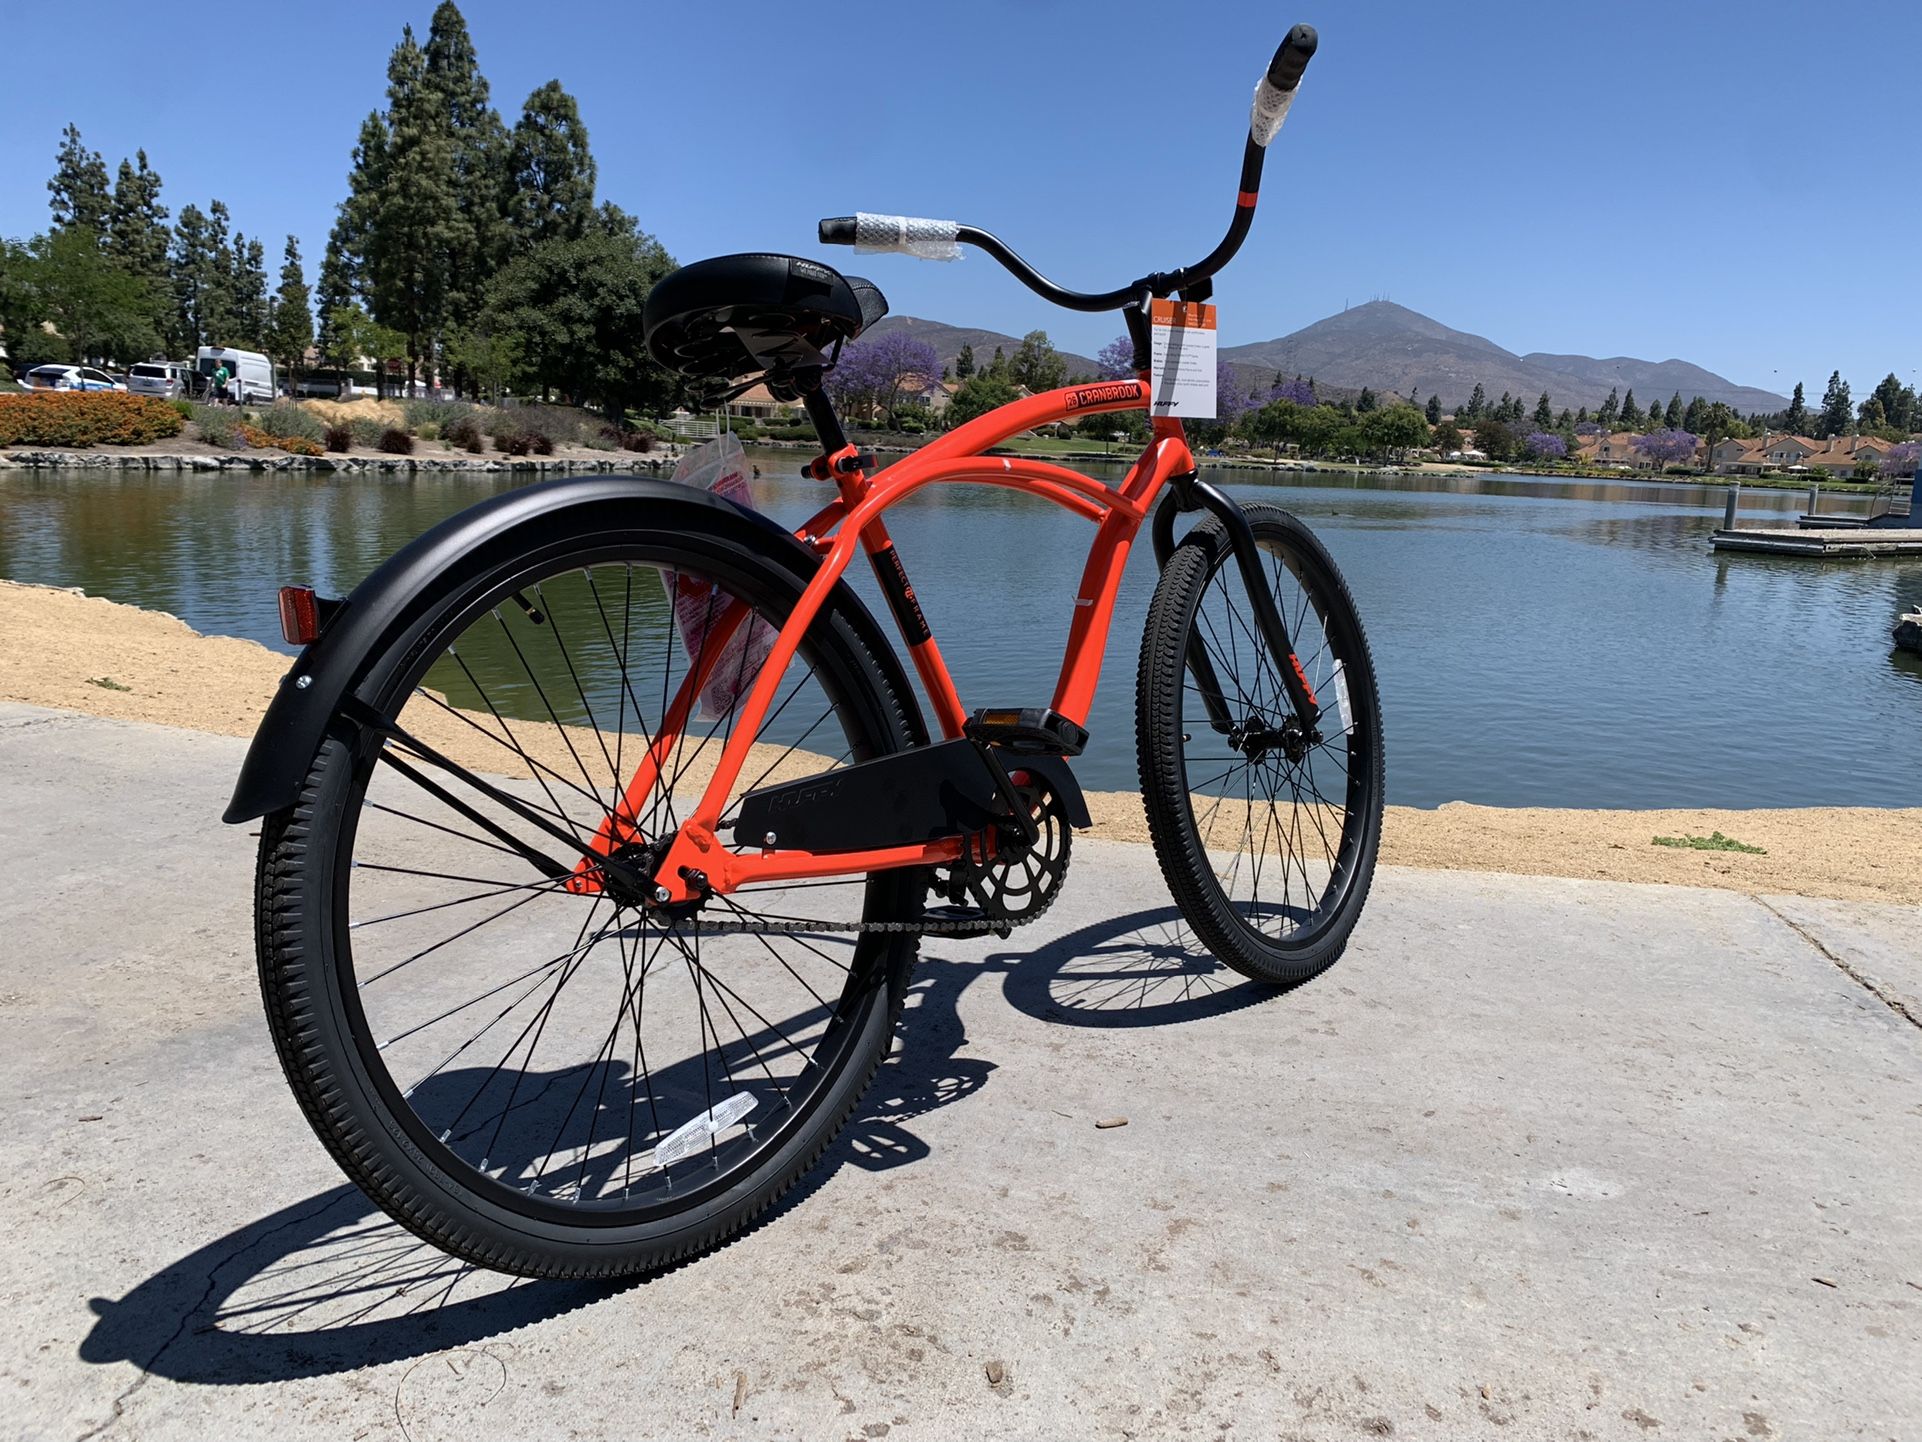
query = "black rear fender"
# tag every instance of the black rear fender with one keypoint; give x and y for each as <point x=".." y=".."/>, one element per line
<point x="400" y="600"/>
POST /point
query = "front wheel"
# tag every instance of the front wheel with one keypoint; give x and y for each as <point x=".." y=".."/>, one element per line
<point x="1267" y="835"/>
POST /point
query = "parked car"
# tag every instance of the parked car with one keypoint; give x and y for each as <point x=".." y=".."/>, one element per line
<point x="325" y="388"/>
<point x="69" y="378"/>
<point x="166" y="379"/>
<point x="250" y="375"/>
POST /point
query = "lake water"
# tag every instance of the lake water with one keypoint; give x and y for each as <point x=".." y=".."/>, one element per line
<point x="1539" y="642"/>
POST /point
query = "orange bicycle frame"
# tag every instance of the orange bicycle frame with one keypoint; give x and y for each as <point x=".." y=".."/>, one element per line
<point x="854" y="522"/>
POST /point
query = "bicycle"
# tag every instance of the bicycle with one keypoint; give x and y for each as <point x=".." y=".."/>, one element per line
<point x="602" y="822"/>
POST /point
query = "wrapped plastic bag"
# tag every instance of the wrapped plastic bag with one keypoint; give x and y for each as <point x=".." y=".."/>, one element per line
<point x="722" y="467"/>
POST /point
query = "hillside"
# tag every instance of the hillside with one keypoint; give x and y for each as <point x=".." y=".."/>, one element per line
<point x="1392" y="348"/>
<point x="947" y="341"/>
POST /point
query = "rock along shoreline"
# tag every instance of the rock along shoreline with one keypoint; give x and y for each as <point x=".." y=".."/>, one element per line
<point x="260" y="463"/>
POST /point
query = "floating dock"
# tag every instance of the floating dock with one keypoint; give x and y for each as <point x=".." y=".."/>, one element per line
<point x="1851" y="541"/>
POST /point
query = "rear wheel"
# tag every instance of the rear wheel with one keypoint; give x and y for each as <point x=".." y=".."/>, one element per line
<point x="536" y="1077"/>
<point x="1267" y="836"/>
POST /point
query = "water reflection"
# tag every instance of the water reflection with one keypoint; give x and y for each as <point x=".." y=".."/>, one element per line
<point x="1539" y="642"/>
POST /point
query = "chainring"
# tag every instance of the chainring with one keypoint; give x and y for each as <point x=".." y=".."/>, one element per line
<point x="1018" y="879"/>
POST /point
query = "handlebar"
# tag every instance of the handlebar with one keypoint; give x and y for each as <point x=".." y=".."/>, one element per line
<point x="942" y="239"/>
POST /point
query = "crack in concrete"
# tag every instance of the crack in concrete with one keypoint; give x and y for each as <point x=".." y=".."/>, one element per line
<point x="214" y="1269"/>
<point x="1893" y="1003"/>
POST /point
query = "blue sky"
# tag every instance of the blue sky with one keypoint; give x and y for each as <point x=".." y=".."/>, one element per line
<point x="1646" y="179"/>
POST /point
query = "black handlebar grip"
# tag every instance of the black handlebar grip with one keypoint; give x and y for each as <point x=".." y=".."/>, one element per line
<point x="838" y="230"/>
<point x="1284" y="71"/>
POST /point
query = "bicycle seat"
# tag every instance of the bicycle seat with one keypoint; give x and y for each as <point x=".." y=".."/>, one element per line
<point x="745" y="315"/>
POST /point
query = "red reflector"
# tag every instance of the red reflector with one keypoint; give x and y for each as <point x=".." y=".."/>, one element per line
<point x="299" y="617"/>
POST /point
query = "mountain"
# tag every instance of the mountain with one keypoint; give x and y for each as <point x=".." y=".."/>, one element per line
<point x="947" y="341"/>
<point x="1394" y="349"/>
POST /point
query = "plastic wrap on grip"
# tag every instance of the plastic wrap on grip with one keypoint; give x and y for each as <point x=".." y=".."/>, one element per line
<point x="908" y="234"/>
<point x="1270" y="109"/>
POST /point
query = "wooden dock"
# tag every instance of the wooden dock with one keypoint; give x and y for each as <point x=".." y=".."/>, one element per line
<point x="1851" y="541"/>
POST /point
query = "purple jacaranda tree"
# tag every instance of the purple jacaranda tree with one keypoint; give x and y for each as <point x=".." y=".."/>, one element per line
<point x="1666" y="447"/>
<point x="1544" y="446"/>
<point x="1301" y="392"/>
<point x="1901" y="459"/>
<point x="1586" y="429"/>
<point x="1235" y="394"/>
<point x="1116" y="359"/>
<point x="881" y="373"/>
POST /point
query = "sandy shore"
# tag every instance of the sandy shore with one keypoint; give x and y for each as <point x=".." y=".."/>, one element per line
<point x="57" y="648"/>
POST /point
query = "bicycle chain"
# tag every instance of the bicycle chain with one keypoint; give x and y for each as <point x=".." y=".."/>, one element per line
<point x="936" y="926"/>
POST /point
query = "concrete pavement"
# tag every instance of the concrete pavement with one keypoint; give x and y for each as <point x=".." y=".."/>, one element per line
<point x="1539" y="1159"/>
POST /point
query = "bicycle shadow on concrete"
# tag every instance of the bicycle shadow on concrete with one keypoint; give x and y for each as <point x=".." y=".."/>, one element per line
<point x="1146" y="969"/>
<point x="330" y="1284"/>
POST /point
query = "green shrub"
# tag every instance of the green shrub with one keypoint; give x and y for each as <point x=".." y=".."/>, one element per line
<point x="284" y="418"/>
<point x="427" y="431"/>
<point x="564" y="425"/>
<point x="339" y="438"/>
<point x="438" y="414"/>
<point x="184" y="406"/>
<point x="396" y="442"/>
<point x="367" y="432"/>
<point x="85" y="418"/>
<point x="219" y="425"/>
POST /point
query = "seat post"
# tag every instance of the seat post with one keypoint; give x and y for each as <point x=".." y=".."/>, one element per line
<point x="820" y="410"/>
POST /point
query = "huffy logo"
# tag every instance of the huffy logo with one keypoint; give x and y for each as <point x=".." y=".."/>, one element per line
<point x="1104" y="395"/>
<point x="813" y="795"/>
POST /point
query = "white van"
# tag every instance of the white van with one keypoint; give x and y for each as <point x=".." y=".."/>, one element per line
<point x="166" y="379"/>
<point x="250" y="375"/>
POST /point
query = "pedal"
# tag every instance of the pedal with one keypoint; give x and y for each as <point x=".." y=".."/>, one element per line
<point x="1027" y="731"/>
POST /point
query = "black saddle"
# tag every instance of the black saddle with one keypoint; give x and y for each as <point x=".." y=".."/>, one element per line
<point x="740" y="316"/>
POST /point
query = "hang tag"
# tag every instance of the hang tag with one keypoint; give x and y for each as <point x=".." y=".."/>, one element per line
<point x="1183" y="358"/>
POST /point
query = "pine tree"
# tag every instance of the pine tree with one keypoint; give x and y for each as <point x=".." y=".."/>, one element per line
<point x="1611" y="410"/>
<point x="1897" y="401"/>
<point x="292" y="329"/>
<point x="1434" y="411"/>
<point x="201" y="263"/>
<point x="1544" y="413"/>
<point x="79" y="187"/>
<point x="1692" y="418"/>
<point x="1581" y="416"/>
<point x="1837" y="410"/>
<point x="137" y="237"/>
<point x="478" y="242"/>
<point x="333" y="292"/>
<point x="964" y="363"/>
<point x="551" y="169"/>
<point x="1565" y="421"/>
<point x="410" y="218"/>
<point x="998" y="365"/>
<point x="1795" y="419"/>
<point x="249" y="294"/>
<point x="1672" y="413"/>
<point x="1477" y="403"/>
<point x="1366" y="400"/>
<point x="1631" y="412"/>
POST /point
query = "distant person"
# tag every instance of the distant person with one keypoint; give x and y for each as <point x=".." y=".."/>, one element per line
<point x="221" y="376"/>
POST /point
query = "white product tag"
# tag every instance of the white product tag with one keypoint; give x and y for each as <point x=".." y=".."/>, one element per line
<point x="1341" y="698"/>
<point x="1182" y="368"/>
<point x="684" y="1141"/>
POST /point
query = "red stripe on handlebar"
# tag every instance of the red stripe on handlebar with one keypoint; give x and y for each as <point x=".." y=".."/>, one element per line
<point x="1245" y="200"/>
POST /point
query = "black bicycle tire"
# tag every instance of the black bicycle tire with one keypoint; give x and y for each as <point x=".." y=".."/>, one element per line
<point x="301" y="989"/>
<point x="1162" y="766"/>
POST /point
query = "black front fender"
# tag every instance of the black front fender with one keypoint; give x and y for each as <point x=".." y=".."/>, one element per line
<point x="398" y="597"/>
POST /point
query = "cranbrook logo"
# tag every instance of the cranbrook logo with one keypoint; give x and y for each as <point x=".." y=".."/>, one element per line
<point x="1104" y="395"/>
